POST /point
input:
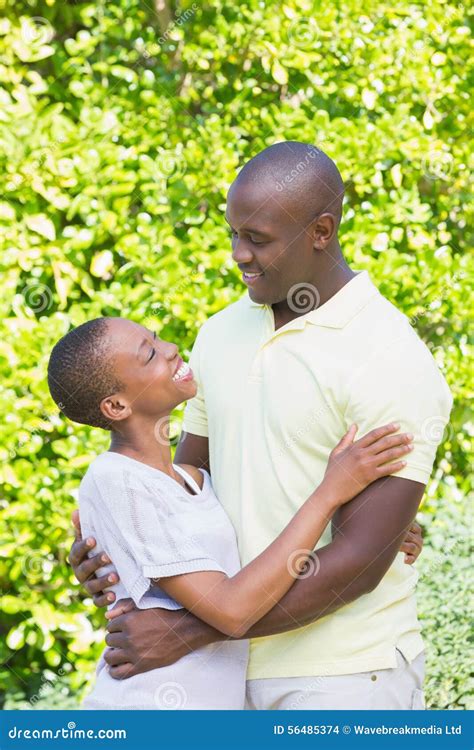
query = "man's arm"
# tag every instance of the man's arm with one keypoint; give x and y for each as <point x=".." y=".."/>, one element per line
<point x="367" y="535"/>
<point x="193" y="450"/>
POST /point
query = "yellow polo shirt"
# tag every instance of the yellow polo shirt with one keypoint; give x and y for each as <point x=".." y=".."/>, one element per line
<point x="274" y="404"/>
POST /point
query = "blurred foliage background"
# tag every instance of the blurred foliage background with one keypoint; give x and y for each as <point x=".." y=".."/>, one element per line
<point x="122" y="125"/>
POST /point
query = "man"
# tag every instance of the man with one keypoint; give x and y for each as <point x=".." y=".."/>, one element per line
<point x="281" y="374"/>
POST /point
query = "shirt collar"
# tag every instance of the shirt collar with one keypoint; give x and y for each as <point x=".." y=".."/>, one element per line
<point x="338" y="311"/>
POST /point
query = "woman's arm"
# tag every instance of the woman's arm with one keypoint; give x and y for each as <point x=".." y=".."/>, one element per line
<point x="233" y="605"/>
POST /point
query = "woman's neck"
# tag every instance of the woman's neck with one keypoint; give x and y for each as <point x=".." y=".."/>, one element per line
<point x="148" y="443"/>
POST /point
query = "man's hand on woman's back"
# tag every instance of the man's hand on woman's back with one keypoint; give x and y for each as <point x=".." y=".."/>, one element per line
<point x="85" y="567"/>
<point x="140" y="640"/>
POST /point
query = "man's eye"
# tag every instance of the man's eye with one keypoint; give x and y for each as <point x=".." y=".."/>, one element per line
<point x="256" y="242"/>
<point x="152" y="354"/>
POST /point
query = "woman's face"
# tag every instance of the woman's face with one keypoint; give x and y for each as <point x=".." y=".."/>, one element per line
<point x="155" y="379"/>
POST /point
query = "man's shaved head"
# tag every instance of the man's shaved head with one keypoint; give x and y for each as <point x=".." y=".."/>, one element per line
<point x="300" y="176"/>
<point x="284" y="210"/>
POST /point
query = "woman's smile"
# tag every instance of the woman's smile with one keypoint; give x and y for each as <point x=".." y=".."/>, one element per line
<point x="183" y="372"/>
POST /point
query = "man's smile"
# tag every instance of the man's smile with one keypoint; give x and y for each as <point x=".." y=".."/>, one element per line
<point x="249" y="277"/>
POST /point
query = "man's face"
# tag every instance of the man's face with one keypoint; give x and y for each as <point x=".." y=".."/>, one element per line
<point x="273" y="248"/>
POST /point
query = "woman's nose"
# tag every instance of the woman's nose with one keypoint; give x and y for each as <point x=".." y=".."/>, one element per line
<point x="173" y="351"/>
<point x="168" y="349"/>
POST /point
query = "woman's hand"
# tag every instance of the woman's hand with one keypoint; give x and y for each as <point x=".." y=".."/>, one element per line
<point x="354" y="465"/>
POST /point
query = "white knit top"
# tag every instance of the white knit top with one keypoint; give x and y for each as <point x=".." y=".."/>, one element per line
<point x="151" y="527"/>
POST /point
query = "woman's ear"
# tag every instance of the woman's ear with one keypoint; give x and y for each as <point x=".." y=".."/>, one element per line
<point x="115" y="408"/>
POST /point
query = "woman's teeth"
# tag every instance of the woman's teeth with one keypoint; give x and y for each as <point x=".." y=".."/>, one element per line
<point x="183" y="370"/>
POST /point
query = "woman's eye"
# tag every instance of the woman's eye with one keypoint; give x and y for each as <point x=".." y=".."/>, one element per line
<point x="152" y="354"/>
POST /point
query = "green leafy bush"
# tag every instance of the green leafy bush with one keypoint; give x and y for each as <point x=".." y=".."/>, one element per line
<point x="121" y="129"/>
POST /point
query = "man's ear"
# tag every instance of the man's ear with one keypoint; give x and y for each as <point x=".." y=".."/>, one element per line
<point x="323" y="230"/>
<point x="115" y="408"/>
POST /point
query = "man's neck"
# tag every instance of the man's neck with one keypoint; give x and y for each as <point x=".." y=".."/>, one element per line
<point x="328" y="283"/>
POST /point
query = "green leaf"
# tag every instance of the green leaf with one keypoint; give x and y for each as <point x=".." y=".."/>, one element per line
<point x="279" y="73"/>
<point x="42" y="225"/>
<point x="101" y="264"/>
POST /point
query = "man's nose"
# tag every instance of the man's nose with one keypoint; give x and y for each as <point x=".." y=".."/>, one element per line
<point x="241" y="252"/>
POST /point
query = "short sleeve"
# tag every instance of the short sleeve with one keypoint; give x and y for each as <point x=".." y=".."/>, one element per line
<point x="402" y="383"/>
<point x="195" y="415"/>
<point x="144" y="536"/>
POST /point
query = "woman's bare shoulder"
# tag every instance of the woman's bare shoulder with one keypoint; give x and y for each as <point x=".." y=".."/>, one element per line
<point x="195" y="473"/>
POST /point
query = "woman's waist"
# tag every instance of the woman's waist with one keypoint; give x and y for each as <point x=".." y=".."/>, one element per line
<point x="211" y="669"/>
<point x="229" y="656"/>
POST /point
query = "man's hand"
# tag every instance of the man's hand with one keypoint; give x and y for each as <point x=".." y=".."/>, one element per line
<point x="144" y="639"/>
<point x="85" y="567"/>
<point x="412" y="544"/>
<point x="141" y="640"/>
